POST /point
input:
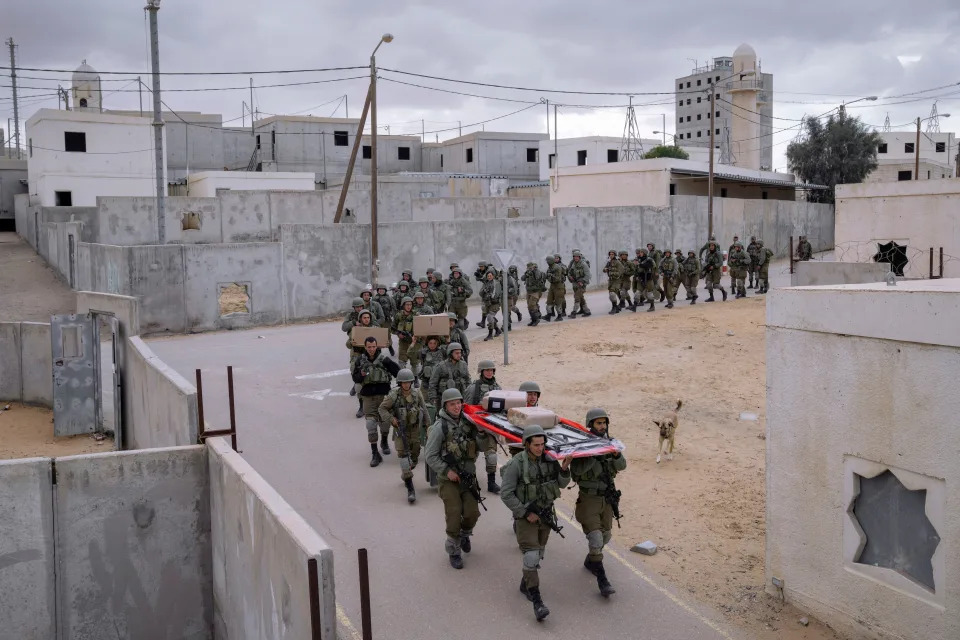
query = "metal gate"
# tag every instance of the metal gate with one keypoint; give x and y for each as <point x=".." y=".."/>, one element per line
<point x="76" y="372"/>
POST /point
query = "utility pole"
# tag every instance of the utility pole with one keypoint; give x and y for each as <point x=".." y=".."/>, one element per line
<point x="713" y="112"/>
<point x="152" y="7"/>
<point x="916" y="153"/>
<point x="13" y="85"/>
<point x="140" y="91"/>
<point x="253" y="133"/>
<point x="547" y="102"/>
<point x="346" y="106"/>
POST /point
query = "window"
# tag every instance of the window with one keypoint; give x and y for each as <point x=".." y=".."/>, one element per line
<point x="83" y="103"/>
<point x="699" y="99"/>
<point x="258" y="141"/>
<point x="928" y="174"/>
<point x="63" y="198"/>
<point x="403" y="153"/>
<point x="908" y="147"/>
<point x="581" y="158"/>
<point x="904" y="175"/>
<point x="366" y="152"/>
<point x="717" y="132"/>
<point x="709" y="80"/>
<point x="698" y="133"/>
<point x="470" y="154"/>
<point x="763" y="195"/>
<point x="688" y="118"/>
<point x="882" y="147"/>
<point x="441" y="161"/>
<point x="680" y="86"/>
<point x="688" y="100"/>
<point x="699" y="83"/>
<point x="941" y="147"/>
<point x="533" y="155"/>
<point x="552" y="160"/>
<point x="613" y="155"/>
<point x="688" y="135"/>
<point x="681" y="104"/>
<point x="74" y="141"/>
<point x="273" y="144"/>
<point x="673" y="189"/>
<point x="718" y="78"/>
<point x="717" y="114"/>
<point x="723" y="192"/>
<point x="340" y="138"/>
<point x="688" y="85"/>
<point x="716" y="96"/>
<point x="699" y="116"/>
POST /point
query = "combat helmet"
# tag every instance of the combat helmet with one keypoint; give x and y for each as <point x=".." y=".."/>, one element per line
<point x="530" y="387"/>
<point x="624" y="252"/>
<point x="593" y="414"/>
<point x="452" y="315"/>
<point x="550" y="259"/>
<point x="577" y="254"/>
<point x="405" y="300"/>
<point x="405" y="375"/>
<point x="450" y="394"/>
<point x="533" y="431"/>
<point x="486" y="364"/>
<point x="407" y="272"/>
<point x="454" y="346"/>
<point x="365" y="312"/>
<point x="531" y="265"/>
<point x="357" y="302"/>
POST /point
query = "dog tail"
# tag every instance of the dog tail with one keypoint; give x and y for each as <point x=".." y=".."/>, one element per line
<point x="679" y="404"/>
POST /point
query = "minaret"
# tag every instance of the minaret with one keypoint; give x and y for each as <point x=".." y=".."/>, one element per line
<point x="745" y="116"/>
<point x="86" y="89"/>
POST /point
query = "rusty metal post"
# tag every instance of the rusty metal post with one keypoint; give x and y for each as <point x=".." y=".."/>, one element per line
<point x="233" y="413"/>
<point x="931" y="263"/>
<point x="791" y="255"/>
<point x="364" y="595"/>
<point x="200" y="425"/>
<point x="316" y="632"/>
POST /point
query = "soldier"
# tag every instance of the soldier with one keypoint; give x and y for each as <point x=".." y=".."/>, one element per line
<point x="532" y="389"/>
<point x="405" y="410"/>
<point x="706" y="245"/>
<point x="452" y="373"/>
<point x="557" y="290"/>
<point x="439" y="293"/>
<point x="460" y="290"/>
<point x="373" y="371"/>
<point x="804" y="250"/>
<point x="452" y="454"/>
<point x="678" y="255"/>
<point x="733" y="282"/>
<point x="691" y="275"/>
<point x="647" y="277"/>
<point x="534" y="281"/>
<point x="558" y="260"/>
<point x="480" y="275"/>
<point x="531" y="484"/>
<point x="403" y="329"/>
<point x="657" y="256"/>
<point x="579" y="275"/>
<point x="369" y="303"/>
<point x="628" y="280"/>
<point x="492" y="296"/>
<point x="420" y="306"/>
<point x="615" y="274"/>
<point x="403" y="291"/>
<point x="430" y="356"/>
<point x="763" y="270"/>
<point x="739" y="261"/>
<point x="386" y="302"/>
<point x="457" y="334"/>
<point x="712" y="268"/>
<point x="423" y="285"/>
<point x="359" y="317"/>
<point x="595" y="478"/>
<point x="670" y="272"/>
<point x="753" y="250"/>
<point x="484" y="384"/>
<point x="513" y="290"/>
<point x="351" y="320"/>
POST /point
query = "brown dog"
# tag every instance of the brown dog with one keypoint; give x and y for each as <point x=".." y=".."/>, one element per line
<point x="668" y="428"/>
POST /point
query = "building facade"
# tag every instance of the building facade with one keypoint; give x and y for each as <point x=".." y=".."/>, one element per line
<point x="511" y="155"/>
<point x="896" y="156"/>
<point x="578" y="152"/>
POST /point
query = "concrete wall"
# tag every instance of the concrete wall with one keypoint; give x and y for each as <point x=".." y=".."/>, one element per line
<point x="162" y="404"/>
<point x="825" y="273"/>
<point x="12" y="172"/>
<point x="876" y="391"/>
<point x="28" y="605"/>
<point x="141" y="566"/>
<point x="26" y="367"/>
<point x="261" y="548"/>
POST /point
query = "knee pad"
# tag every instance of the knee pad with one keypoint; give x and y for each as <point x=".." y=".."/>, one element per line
<point x="531" y="560"/>
<point x="595" y="541"/>
<point x="404" y="464"/>
<point x="606" y="537"/>
<point x="491" y="458"/>
<point x="372" y="425"/>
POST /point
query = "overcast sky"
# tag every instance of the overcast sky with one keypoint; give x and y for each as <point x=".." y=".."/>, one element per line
<point x="820" y="52"/>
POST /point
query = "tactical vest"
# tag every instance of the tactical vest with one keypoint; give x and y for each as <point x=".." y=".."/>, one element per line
<point x="691" y="266"/>
<point x="538" y="482"/>
<point x="578" y="272"/>
<point x="489" y="292"/>
<point x="386" y="303"/>
<point x="595" y="470"/>
<point x="668" y="266"/>
<point x="479" y="388"/>
<point x="461" y="441"/>
<point x="533" y="281"/>
<point x="511" y="286"/>
<point x="614" y="269"/>
<point x="407" y="412"/>
<point x="456" y="283"/>
<point x="377" y="372"/>
<point x="556" y="274"/>
<point x="430" y="359"/>
<point x="404" y="322"/>
<point x="715" y="259"/>
<point x="453" y="376"/>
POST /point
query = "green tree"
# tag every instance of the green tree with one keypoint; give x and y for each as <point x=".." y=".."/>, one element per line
<point x="666" y="151"/>
<point x="841" y="150"/>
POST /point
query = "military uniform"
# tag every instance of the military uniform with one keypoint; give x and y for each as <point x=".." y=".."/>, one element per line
<point x="733" y="280"/>
<point x="562" y="310"/>
<point x="534" y="281"/>
<point x="753" y="250"/>
<point x="706" y="246"/>
<point x="386" y="303"/>
<point x="460" y="290"/>
<point x="657" y="256"/>
<point x="429" y="360"/>
<point x="739" y="263"/>
<point x="532" y="481"/>
<point x="691" y="275"/>
<point x="487" y="441"/>
<point x="369" y="303"/>
<point x="712" y="270"/>
<point x="513" y="291"/>
<point x="480" y="275"/>
<point x="804" y="250"/>
<point x="579" y="275"/>
<point x="449" y="374"/>
<point x="615" y="274"/>
<point x="457" y="335"/>
<point x="403" y="328"/>
<point x="403" y="291"/>
<point x="492" y="296"/>
<point x="557" y="291"/>
<point x="763" y="269"/>
<point x="374" y="375"/>
<point x="646" y="269"/>
<point x="406" y="411"/>
<point x="671" y="273"/>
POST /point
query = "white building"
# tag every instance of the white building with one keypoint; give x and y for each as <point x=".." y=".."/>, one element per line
<point x="722" y="78"/>
<point x="896" y="156"/>
<point x="210" y="184"/>
<point x="511" y="155"/>
<point x="579" y="152"/>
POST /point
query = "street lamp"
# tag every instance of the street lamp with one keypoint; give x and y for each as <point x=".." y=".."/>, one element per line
<point x="374" y="248"/>
<point x="916" y="145"/>
<point x="152" y="7"/>
<point x="665" y="134"/>
<point x="843" y="105"/>
<point x="713" y="110"/>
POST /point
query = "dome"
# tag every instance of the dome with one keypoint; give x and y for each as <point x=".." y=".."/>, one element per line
<point x="84" y="74"/>
<point x="744" y="50"/>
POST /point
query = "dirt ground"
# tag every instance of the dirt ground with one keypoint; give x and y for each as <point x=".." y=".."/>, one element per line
<point x="27" y="432"/>
<point x="29" y="289"/>
<point x="704" y="508"/>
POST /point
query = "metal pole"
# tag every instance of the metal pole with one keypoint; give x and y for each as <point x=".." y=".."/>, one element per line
<point x="157" y="122"/>
<point x="547" y="102"/>
<point x="233" y="413"/>
<point x="663" y="116"/>
<point x="374" y="259"/>
<point x="916" y="154"/>
<point x="253" y="133"/>
<point x="791" y="254"/>
<point x="505" y="314"/>
<point x="353" y="159"/>
<point x="323" y="154"/>
<point x="140" y="91"/>
<point x="16" y="102"/>
<point x="200" y="422"/>
<point x="459" y="128"/>
<point x="364" y="595"/>
<point x="931" y="263"/>
<point x="713" y="110"/>
<point x="100" y="93"/>
<point x="941" y="262"/>
<point x="346" y="106"/>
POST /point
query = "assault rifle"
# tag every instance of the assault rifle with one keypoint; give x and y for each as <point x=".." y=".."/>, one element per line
<point x="402" y="427"/>
<point x="547" y="516"/>
<point x="611" y="495"/>
<point x="467" y="479"/>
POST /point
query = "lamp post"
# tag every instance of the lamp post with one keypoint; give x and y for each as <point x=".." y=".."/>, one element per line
<point x="152" y="7"/>
<point x="713" y="110"/>
<point x="375" y="260"/>
<point x="665" y="134"/>
<point x="843" y="105"/>
<point x="916" y="145"/>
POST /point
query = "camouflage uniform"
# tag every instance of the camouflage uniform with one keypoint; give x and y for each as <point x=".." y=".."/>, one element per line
<point x="763" y="269"/>
<point x="457" y="334"/>
<point x="712" y="270"/>
<point x="579" y="275"/>
<point x="429" y="359"/>
<point x="405" y="411"/>
<point x="386" y="303"/>
<point x="403" y="328"/>
<point x="449" y="374"/>
<point x="513" y="291"/>
<point x="739" y="262"/>
<point x="615" y="274"/>
<point x="460" y="290"/>
<point x="753" y="249"/>
<point x="646" y="269"/>
<point x="562" y="310"/>
<point x="439" y="293"/>
<point x="706" y="246"/>
<point x="480" y="275"/>
<point x="486" y="440"/>
<point x="733" y="280"/>
<point x="557" y="291"/>
<point x="691" y="275"/>
<point x="671" y="274"/>
<point x="369" y="303"/>
<point x="374" y="375"/>
<point x="534" y="281"/>
<point x="804" y="250"/>
<point x="492" y="296"/>
<point x="657" y="256"/>
<point x="403" y="291"/>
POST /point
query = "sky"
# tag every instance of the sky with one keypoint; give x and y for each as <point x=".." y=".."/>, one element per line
<point x="822" y="53"/>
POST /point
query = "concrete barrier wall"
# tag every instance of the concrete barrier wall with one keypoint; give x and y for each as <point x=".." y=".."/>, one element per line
<point x="261" y="549"/>
<point x="162" y="404"/>
<point x="133" y="545"/>
<point x="822" y="273"/>
<point x="28" y="601"/>
<point x="11" y="377"/>
<point x="26" y="366"/>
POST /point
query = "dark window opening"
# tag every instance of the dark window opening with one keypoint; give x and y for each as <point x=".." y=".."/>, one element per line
<point x="273" y="144"/>
<point x="581" y="158"/>
<point x="533" y="155"/>
<point x="688" y="118"/>
<point x="681" y="103"/>
<point x="699" y="99"/>
<point x="680" y="86"/>
<point x="75" y="141"/>
<point x="258" y="141"/>
<point x="717" y="132"/>
<point x="698" y="134"/>
<point x="83" y="103"/>
<point x="613" y="155"/>
<point x="928" y="174"/>
<point x="903" y="176"/>
<point x="908" y="147"/>
<point x="688" y="135"/>
<point x="941" y="147"/>
<point x="698" y="84"/>
<point x="673" y="189"/>
<point x="470" y="155"/>
<point x="30" y="144"/>
<point x="63" y="198"/>
<point x="367" y="153"/>
<point x="688" y="85"/>
<point x="882" y="147"/>
<point x="441" y="161"/>
<point x="763" y="195"/>
<point x="717" y="115"/>
<point x="699" y="116"/>
<point x="688" y="100"/>
<point x="723" y="192"/>
<point x="341" y="138"/>
<point x="551" y="160"/>
<point x="709" y="80"/>
<point x="403" y="153"/>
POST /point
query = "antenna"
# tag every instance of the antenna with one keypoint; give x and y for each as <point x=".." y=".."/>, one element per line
<point x="933" y="124"/>
<point x="630" y="146"/>
<point x="886" y="123"/>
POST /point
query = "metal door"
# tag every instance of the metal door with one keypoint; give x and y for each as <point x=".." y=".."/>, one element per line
<point x="76" y="370"/>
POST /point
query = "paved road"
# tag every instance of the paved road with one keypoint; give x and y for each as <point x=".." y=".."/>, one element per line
<point x="300" y="433"/>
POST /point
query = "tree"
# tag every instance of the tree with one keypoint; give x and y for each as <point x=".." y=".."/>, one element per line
<point x="666" y="151"/>
<point x="841" y="150"/>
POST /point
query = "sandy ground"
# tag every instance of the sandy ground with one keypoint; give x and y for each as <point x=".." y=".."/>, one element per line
<point x="29" y="289"/>
<point x="27" y="432"/>
<point x="704" y="508"/>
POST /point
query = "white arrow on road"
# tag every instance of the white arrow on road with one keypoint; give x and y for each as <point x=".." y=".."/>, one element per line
<point x="319" y="395"/>
<point x="326" y="374"/>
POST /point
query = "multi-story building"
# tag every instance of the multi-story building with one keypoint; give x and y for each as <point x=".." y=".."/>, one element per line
<point x="578" y="152"/>
<point x="897" y="156"/>
<point x="693" y="110"/>
<point x="511" y="155"/>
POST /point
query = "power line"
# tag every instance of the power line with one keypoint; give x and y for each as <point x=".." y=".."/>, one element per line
<point x="246" y="88"/>
<point x="197" y="73"/>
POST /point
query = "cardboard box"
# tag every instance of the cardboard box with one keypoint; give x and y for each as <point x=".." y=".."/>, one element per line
<point x="502" y="401"/>
<point x="435" y="325"/>
<point x="359" y="334"/>
<point x="529" y="416"/>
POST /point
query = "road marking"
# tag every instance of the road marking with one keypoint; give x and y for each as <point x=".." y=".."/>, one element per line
<point x="326" y="374"/>
<point x="319" y="395"/>
<point x="345" y="622"/>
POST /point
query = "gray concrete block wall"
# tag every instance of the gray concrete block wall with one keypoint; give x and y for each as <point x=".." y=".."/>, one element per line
<point x="133" y="545"/>
<point x="36" y="363"/>
<point x="11" y="378"/>
<point x="88" y="216"/>
<point x="467" y="242"/>
<point x="156" y="279"/>
<point x="208" y="210"/>
<point x="246" y="216"/>
<point x="577" y="229"/>
<point x="531" y="240"/>
<point x="127" y="221"/>
<point x="815" y="273"/>
<point x="261" y="547"/>
<point x="28" y="601"/>
<point x="296" y="207"/>
<point x="162" y="403"/>
<point x="407" y="245"/>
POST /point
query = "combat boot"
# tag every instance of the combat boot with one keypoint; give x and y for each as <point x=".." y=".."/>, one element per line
<point x="663" y="294"/>
<point x="585" y="314"/>
<point x="693" y="300"/>
<point x="497" y="331"/>
<point x="489" y="334"/>
<point x="540" y="610"/>
<point x="376" y="458"/>
<point x="492" y="485"/>
<point x="710" y="299"/>
<point x="559" y="317"/>
<point x="613" y="308"/>
<point x="669" y="304"/>
<point x="465" y="545"/>
<point x="652" y="308"/>
<point x="483" y="322"/>
<point x="750" y="284"/>
<point x="536" y="320"/>
<point x="384" y="445"/>
<point x="456" y="561"/>
<point x="411" y="494"/>
<point x="360" y="409"/>
<point x="573" y="314"/>
<point x="606" y="589"/>
<point x="563" y="309"/>
<point x="724" y="292"/>
<point x="519" y="316"/>
<point x="633" y="306"/>
<point x="549" y="315"/>
<point x="623" y="303"/>
<point x="533" y="320"/>
<point x="524" y="590"/>
<point x="353" y="390"/>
